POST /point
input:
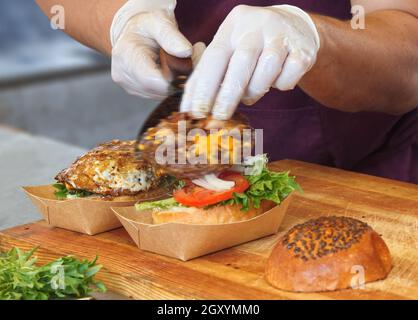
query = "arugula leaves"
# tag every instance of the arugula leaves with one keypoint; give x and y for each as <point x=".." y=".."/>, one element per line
<point x="63" y="193"/>
<point x="267" y="185"/>
<point x="66" y="277"/>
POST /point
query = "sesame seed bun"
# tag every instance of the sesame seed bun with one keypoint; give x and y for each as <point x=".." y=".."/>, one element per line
<point x="327" y="254"/>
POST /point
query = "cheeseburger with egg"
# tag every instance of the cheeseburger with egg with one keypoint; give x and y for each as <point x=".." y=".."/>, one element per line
<point x="220" y="189"/>
<point x="111" y="170"/>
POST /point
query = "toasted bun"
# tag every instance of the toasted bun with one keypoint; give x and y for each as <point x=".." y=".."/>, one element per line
<point x="327" y="254"/>
<point x="215" y="215"/>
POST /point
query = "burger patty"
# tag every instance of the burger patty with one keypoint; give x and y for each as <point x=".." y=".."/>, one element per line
<point x="217" y="157"/>
<point x="110" y="169"/>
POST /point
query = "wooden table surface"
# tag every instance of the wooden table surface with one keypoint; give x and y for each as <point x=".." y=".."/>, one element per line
<point x="390" y="207"/>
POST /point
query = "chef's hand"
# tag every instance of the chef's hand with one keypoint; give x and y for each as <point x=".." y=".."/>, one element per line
<point x="139" y="29"/>
<point x="255" y="48"/>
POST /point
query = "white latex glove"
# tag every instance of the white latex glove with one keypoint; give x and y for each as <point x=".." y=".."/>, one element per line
<point x="139" y="29"/>
<point x="255" y="48"/>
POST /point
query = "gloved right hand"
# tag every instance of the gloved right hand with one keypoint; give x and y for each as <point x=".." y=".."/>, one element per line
<point x="139" y="29"/>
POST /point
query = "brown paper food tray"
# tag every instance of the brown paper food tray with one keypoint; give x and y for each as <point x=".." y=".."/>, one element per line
<point x="188" y="241"/>
<point x="90" y="215"/>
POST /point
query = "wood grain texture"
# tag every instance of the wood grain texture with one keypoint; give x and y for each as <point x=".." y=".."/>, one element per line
<point x="390" y="207"/>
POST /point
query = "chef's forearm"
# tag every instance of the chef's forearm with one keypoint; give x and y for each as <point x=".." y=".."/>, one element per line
<point x="375" y="69"/>
<point x="87" y="21"/>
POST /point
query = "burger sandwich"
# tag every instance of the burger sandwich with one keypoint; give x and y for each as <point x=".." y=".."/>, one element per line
<point x="110" y="171"/>
<point x="213" y="192"/>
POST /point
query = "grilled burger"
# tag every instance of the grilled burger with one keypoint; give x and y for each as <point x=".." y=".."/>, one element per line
<point x="110" y="169"/>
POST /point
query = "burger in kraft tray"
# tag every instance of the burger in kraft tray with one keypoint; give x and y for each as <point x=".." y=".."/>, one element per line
<point x="221" y="196"/>
<point x="108" y="176"/>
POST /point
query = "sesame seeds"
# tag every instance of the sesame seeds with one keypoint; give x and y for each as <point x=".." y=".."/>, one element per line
<point x="326" y="235"/>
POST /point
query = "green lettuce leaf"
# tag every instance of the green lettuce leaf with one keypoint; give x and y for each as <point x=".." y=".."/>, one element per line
<point x="158" y="205"/>
<point x="267" y="185"/>
<point x="63" y="193"/>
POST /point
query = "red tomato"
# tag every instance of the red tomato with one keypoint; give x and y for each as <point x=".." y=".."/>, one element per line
<point x="195" y="196"/>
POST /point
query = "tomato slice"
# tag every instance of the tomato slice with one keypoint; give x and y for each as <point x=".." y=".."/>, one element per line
<point x="195" y="196"/>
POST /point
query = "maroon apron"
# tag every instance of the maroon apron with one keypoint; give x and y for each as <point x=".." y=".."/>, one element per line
<point x="298" y="127"/>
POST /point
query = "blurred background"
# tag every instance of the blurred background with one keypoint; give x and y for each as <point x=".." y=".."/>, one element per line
<point x="53" y="86"/>
<point x="57" y="99"/>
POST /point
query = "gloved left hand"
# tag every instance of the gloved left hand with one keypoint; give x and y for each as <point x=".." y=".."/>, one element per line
<point x="255" y="48"/>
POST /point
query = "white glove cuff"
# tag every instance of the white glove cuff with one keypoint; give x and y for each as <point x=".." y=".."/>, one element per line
<point x="133" y="7"/>
<point x="305" y="16"/>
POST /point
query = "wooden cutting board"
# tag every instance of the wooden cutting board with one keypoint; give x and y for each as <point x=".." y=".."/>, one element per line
<point x="390" y="207"/>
